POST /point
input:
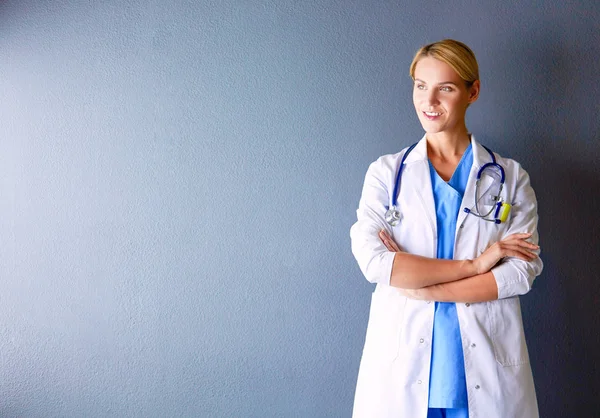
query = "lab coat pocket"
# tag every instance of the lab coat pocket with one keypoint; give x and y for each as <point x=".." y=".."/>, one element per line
<point x="385" y="324"/>
<point x="506" y="330"/>
<point x="488" y="234"/>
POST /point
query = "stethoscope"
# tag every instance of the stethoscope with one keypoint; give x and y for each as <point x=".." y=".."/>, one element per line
<point x="499" y="208"/>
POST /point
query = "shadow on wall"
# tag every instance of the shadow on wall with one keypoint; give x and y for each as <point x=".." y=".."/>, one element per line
<point x="552" y="88"/>
<point x="566" y="342"/>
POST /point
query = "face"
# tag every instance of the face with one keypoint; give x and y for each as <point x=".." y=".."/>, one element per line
<point x="441" y="97"/>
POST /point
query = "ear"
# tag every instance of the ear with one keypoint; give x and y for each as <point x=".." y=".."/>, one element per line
<point x="474" y="91"/>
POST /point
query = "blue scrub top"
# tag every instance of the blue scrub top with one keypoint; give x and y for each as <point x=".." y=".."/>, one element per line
<point x="447" y="384"/>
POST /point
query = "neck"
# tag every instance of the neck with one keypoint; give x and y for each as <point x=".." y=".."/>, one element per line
<point x="446" y="145"/>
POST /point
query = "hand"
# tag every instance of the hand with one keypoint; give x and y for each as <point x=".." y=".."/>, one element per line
<point x="514" y="245"/>
<point x="388" y="241"/>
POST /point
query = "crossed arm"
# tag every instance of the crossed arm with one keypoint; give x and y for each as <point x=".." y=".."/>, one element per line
<point x="488" y="277"/>
<point x="454" y="280"/>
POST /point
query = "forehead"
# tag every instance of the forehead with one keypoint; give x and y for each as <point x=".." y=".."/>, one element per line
<point x="431" y="70"/>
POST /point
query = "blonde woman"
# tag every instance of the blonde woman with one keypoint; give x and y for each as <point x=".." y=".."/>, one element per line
<point x="447" y="230"/>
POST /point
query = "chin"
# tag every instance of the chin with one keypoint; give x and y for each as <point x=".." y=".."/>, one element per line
<point x="432" y="129"/>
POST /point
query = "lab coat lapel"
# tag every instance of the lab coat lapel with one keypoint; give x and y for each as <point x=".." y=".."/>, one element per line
<point x="418" y="164"/>
<point x="480" y="157"/>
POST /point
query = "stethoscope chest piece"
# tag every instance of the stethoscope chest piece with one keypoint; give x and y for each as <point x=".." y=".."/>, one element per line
<point x="392" y="216"/>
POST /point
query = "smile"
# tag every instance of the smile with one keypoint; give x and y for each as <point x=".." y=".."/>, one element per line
<point x="432" y="115"/>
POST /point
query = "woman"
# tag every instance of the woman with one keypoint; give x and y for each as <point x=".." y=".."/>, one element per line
<point x="445" y="335"/>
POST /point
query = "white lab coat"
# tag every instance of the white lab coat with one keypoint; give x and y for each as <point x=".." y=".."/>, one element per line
<point x="393" y="379"/>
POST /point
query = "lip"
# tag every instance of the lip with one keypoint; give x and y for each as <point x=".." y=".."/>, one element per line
<point x="432" y="117"/>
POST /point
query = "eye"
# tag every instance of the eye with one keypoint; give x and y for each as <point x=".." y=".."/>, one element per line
<point x="447" y="89"/>
<point x="420" y="86"/>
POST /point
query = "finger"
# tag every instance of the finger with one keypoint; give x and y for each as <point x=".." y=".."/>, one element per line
<point x="518" y="235"/>
<point x="388" y="245"/>
<point x="388" y="241"/>
<point x="518" y="245"/>
<point x="393" y="244"/>
<point x="384" y="239"/>
<point x="522" y="243"/>
<point x="523" y="254"/>
<point x="519" y="253"/>
<point x="393" y="247"/>
<point x="385" y="234"/>
<point x="527" y="244"/>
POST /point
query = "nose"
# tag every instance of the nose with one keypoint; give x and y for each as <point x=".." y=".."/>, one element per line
<point x="432" y="97"/>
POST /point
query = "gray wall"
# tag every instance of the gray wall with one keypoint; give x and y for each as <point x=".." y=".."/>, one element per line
<point x="178" y="178"/>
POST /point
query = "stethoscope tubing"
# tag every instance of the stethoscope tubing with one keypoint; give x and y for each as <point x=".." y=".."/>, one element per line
<point x="399" y="175"/>
<point x="495" y="207"/>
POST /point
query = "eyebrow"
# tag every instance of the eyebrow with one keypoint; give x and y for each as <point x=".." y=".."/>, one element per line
<point x="439" y="84"/>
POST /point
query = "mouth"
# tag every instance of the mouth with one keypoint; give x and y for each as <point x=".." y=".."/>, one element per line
<point x="432" y="115"/>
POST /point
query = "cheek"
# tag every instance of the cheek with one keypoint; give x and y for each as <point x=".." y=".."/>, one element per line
<point x="458" y="101"/>
<point x="417" y="98"/>
<point x="455" y="105"/>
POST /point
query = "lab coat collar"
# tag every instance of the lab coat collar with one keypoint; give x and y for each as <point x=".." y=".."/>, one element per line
<point x="480" y="154"/>
<point x="419" y="153"/>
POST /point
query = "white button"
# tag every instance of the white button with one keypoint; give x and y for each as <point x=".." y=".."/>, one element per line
<point x="428" y="302"/>
<point x="462" y="226"/>
<point x="421" y="340"/>
<point x="419" y="382"/>
<point x="467" y="304"/>
<point x="476" y="386"/>
<point x="473" y="345"/>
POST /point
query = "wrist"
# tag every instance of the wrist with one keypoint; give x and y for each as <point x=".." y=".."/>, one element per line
<point x="472" y="268"/>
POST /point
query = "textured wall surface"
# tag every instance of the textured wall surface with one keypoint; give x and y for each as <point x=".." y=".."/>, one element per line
<point x="178" y="180"/>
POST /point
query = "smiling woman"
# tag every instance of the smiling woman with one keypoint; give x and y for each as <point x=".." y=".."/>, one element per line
<point x="463" y="356"/>
<point x="441" y="96"/>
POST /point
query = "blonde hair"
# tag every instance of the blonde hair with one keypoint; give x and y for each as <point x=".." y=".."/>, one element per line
<point x="454" y="53"/>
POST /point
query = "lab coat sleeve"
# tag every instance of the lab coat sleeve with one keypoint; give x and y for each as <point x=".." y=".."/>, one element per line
<point x="374" y="259"/>
<point x="514" y="276"/>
